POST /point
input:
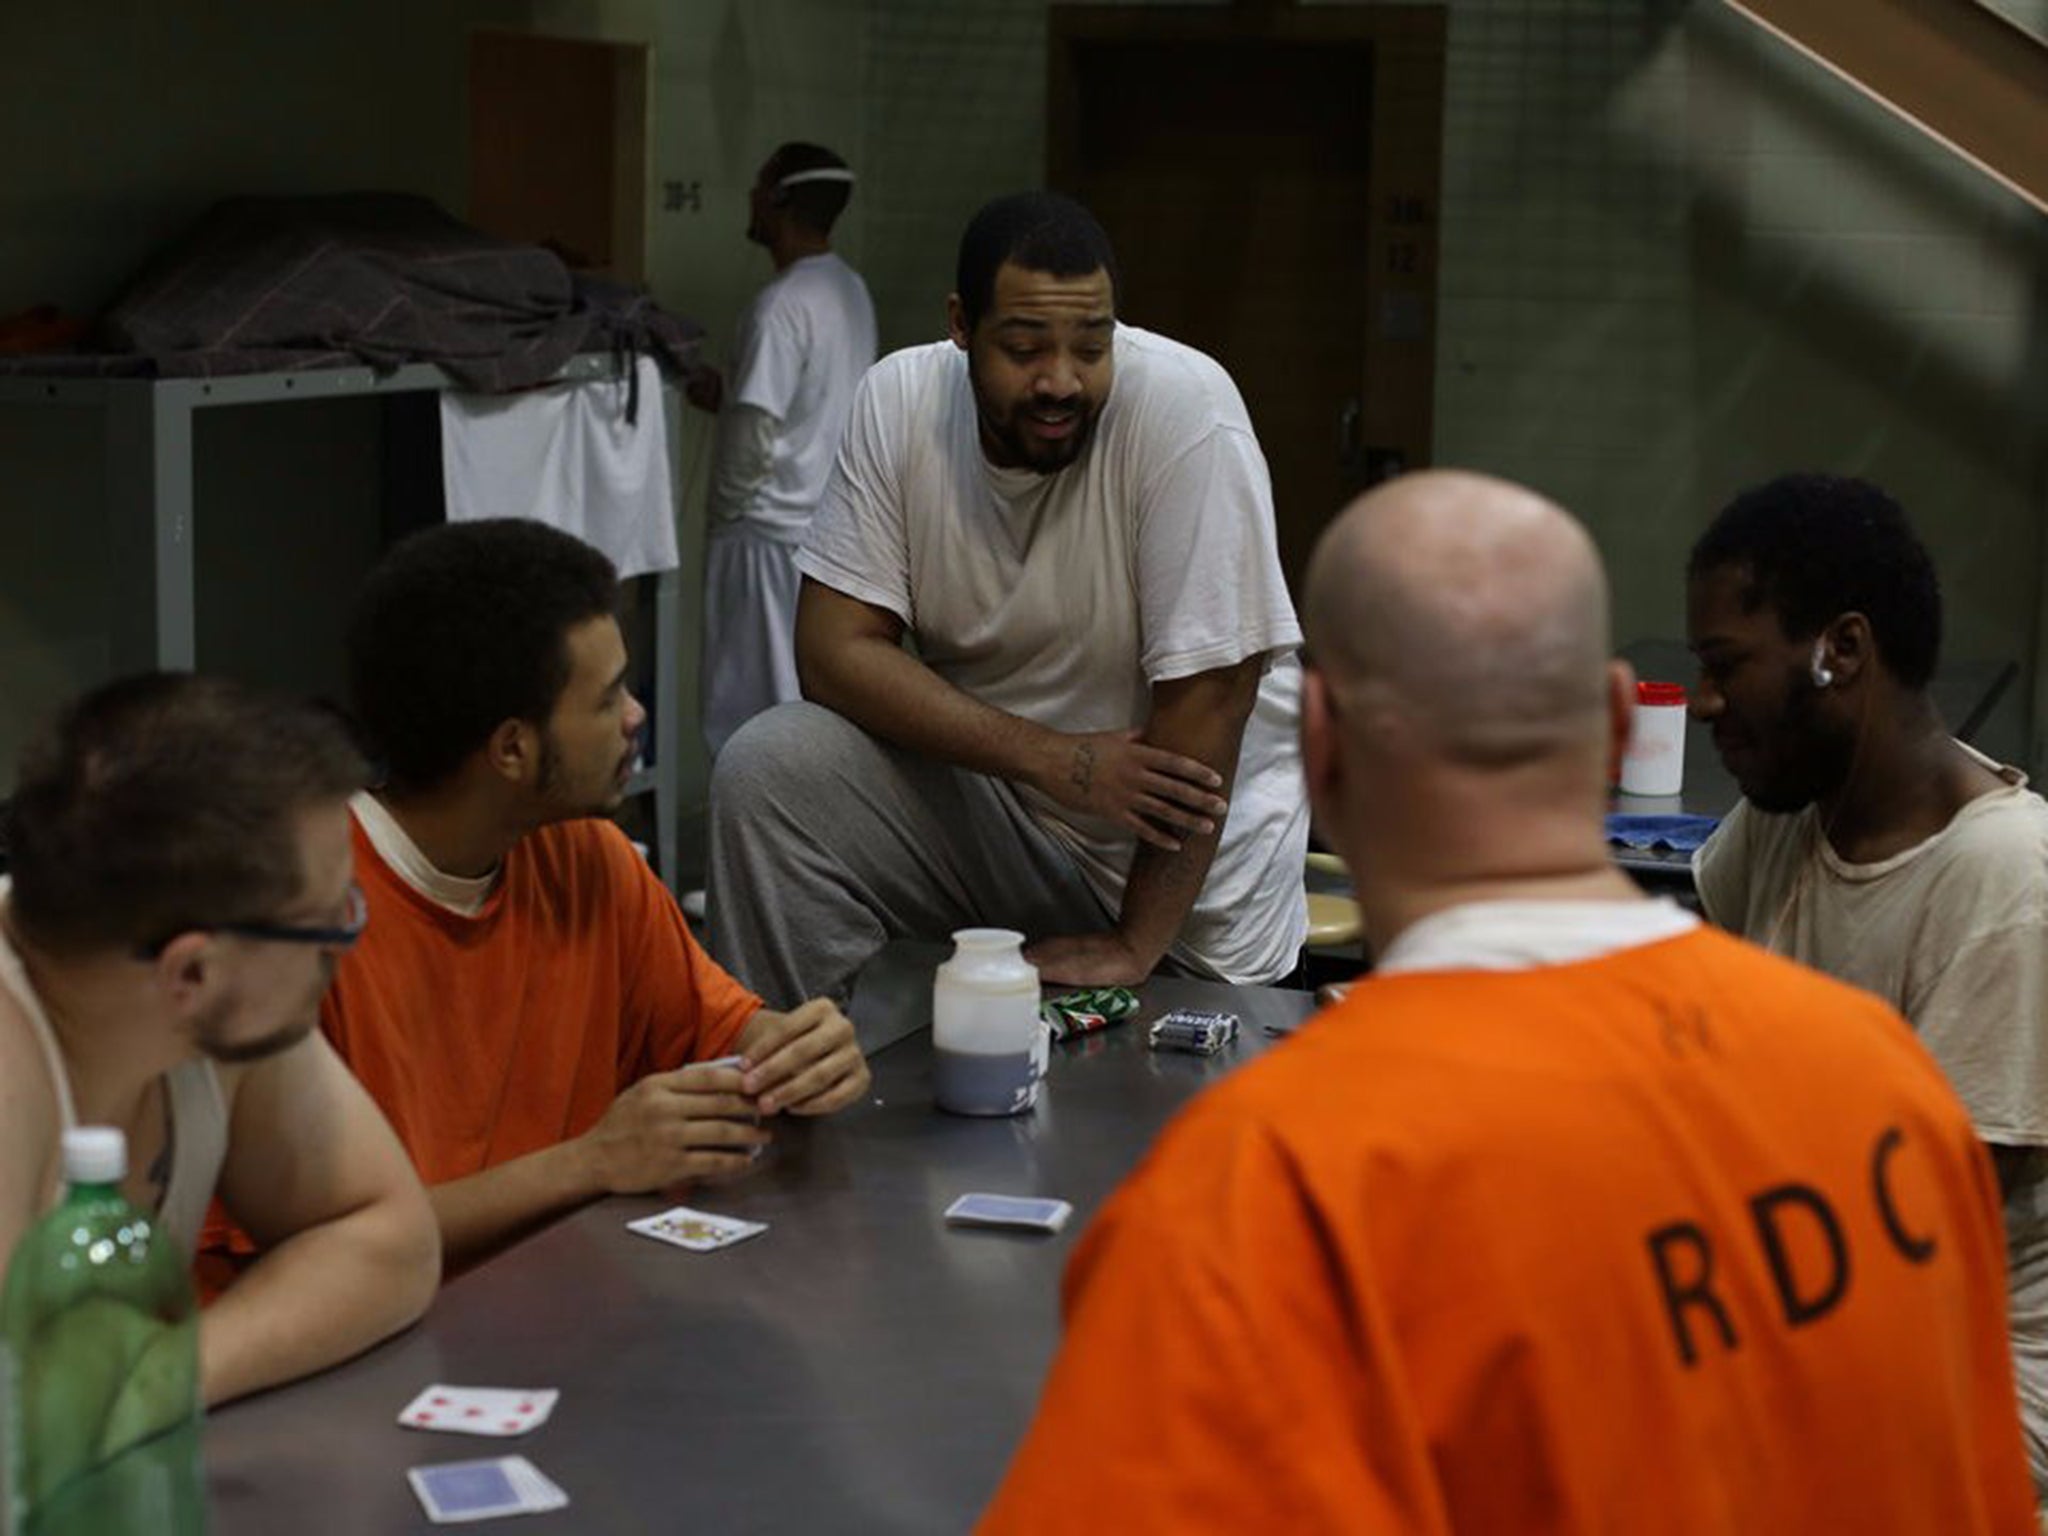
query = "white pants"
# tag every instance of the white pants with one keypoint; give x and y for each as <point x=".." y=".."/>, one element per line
<point x="749" y="660"/>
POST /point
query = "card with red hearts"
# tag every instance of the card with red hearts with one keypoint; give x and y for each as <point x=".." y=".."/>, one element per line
<point x="479" y="1410"/>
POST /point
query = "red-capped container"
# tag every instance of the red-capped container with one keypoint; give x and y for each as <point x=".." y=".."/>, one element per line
<point x="1654" y="763"/>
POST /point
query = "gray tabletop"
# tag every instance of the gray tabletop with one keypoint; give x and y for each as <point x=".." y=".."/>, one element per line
<point x="858" y="1367"/>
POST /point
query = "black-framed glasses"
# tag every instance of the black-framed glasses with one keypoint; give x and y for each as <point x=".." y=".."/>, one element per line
<point x="351" y="929"/>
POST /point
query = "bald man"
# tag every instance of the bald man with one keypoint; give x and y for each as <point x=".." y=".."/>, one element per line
<point x="1574" y="1215"/>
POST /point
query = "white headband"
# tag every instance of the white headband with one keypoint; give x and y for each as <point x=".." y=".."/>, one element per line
<point x="828" y="173"/>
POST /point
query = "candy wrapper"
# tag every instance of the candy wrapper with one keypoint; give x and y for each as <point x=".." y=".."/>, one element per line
<point x="1082" y="1013"/>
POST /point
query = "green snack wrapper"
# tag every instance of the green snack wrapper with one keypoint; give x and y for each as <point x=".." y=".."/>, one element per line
<point x="1082" y="1013"/>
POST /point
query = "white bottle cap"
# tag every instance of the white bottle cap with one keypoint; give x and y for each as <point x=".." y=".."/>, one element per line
<point x="95" y="1154"/>
<point x="987" y="938"/>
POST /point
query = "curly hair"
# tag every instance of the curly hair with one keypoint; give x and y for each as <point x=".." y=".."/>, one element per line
<point x="1039" y="231"/>
<point x="462" y="627"/>
<point x="1812" y="547"/>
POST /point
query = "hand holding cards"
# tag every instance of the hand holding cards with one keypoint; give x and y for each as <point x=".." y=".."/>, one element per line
<point x="693" y="1123"/>
<point x="803" y="1062"/>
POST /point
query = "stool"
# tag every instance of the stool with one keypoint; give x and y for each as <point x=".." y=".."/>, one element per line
<point x="1333" y="919"/>
<point x="1334" y="950"/>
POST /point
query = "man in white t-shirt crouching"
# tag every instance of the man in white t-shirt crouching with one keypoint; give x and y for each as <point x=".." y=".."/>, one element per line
<point x="1072" y="520"/>
<point x="797" y="355"/>
<point x="1870" y="843"/>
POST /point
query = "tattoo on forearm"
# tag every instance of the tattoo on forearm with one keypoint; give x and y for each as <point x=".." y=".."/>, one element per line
<point x="1083" y="773"/>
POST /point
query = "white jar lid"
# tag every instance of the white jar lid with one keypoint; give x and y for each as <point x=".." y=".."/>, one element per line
<point x="987" y="938"/>
<point x="95" y="1154"/>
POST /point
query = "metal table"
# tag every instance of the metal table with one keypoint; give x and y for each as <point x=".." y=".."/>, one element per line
<point x="858" y="1367"/>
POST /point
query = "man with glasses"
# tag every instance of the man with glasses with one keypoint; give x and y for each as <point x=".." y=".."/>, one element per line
<point x="528" y="1005"/>
<point x="337" y="936"/>
<point x="180" y="893"/>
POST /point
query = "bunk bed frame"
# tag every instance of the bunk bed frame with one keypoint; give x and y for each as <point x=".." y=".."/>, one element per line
<point x="149" y="509"/>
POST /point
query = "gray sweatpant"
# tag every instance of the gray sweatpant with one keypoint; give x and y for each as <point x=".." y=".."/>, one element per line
<point x="826" y="843"/>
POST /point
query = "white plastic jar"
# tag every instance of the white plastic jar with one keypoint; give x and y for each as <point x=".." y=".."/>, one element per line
<point x="989" y="1046"/>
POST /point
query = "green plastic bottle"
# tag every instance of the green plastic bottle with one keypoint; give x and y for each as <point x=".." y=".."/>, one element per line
<point x="101" y="1346"/>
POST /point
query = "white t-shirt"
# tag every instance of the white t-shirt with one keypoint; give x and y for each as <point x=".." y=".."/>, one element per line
<point x="798" y="354"/>
<point x="463" y="895"/>
<point x="1953" y="933"/>
<point x="1063" y="598"/>
<point x="1528" y="935"/>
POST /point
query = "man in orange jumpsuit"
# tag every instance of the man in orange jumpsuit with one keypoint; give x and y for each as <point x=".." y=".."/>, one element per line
<point x="1575" y="1215"/>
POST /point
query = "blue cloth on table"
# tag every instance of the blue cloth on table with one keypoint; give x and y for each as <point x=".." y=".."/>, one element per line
<point x="1681" y="834"/>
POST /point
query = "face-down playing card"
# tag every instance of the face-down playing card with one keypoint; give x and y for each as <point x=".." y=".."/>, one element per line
<point x="459" y="1491"/>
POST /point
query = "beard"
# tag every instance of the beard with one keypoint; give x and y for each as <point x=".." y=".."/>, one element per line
<point x="210" y="1032"/>
<point x="1808" y="755"/>
<point x="597" y="800"/>
<point x="1021" y="448"/>
<point x="234" y="1053"/>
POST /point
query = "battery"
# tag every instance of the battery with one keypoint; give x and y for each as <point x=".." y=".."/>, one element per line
<point x="1185" y="1029"/>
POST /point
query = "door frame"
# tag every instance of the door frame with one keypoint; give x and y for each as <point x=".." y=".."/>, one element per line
<point x="1398" y="391"/>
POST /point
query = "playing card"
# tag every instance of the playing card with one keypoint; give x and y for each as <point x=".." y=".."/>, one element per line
<point x="698" y="1231"/>
<point x="723" y="1061"/>
<point x="479" y="1410"/>
<point x="1009" y="1211"/>
<point x="459" y="1491"/>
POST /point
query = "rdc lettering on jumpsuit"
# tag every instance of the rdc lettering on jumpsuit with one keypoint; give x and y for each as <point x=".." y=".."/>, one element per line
<point x="1683" y="1253"/>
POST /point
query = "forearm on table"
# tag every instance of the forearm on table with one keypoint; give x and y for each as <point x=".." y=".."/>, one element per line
<point x="1160" y="893"/>
<point x="314" y="1300"/>
<point x="1204" y="718"/>
<point x="484" y="1214"/>
<point x="889" y="693"/>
